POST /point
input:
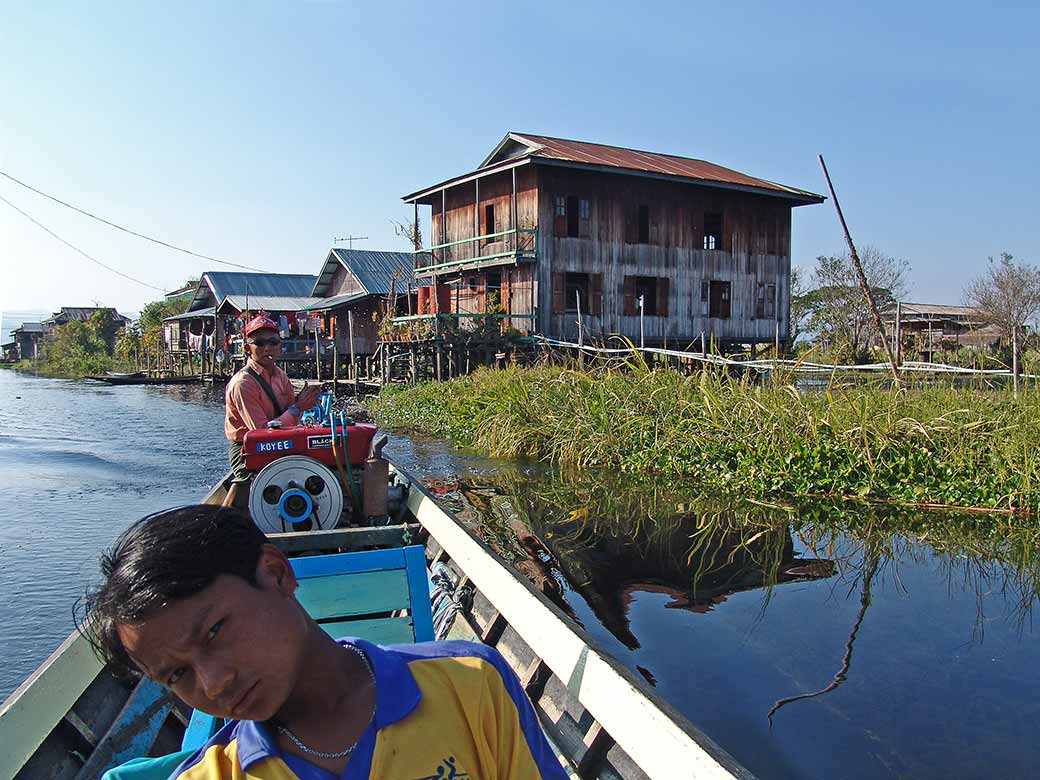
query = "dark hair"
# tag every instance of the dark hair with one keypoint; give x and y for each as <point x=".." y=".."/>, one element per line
<point x="161" y="558"/>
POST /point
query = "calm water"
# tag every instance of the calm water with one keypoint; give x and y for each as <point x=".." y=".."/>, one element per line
<point x="727" y="609"/>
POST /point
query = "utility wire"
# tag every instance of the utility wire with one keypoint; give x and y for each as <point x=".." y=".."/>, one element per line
<point x="77" y="249"/>
<point x="128" y="230"/>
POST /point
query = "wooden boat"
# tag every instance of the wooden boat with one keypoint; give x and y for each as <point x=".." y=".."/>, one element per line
<point x="141" y="378"/>
<point x="71" y="719"/>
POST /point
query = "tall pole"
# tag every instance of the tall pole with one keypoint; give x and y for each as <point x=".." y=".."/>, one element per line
<point x="861" y="276"/>
<point x="577" y="297"/>
<point x="899" y="333"/>
<point x="642" y="341"/>
<point x="350" y="336"/>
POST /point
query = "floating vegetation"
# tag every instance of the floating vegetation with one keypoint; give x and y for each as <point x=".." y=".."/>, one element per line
<point x="967" y="448"/>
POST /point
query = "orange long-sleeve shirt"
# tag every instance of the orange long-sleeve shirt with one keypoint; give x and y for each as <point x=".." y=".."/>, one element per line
<point x="247" y="405"/>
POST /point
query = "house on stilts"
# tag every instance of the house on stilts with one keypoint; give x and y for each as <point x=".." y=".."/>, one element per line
<point x="685" y="251"/>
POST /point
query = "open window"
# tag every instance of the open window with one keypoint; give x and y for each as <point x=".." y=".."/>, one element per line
<point x="719" y="303"/>
<point x="489" y="222"/>
<point x="705" y="296"/>
<point x="577" y="287"/>
<point x="713" y="230"/>
<point x="639" y="228"/>
<point x="568" y="287"/>
<point x="653" y="290"/>
<point x="571" y="217"/>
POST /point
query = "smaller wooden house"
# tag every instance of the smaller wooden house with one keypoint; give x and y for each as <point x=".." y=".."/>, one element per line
<point x="28" y="338"/>
<point x="354" y="288"/>
<point x="81" y="314"/>
<point x="209" y="324"/>
<point x="927" y="329"/>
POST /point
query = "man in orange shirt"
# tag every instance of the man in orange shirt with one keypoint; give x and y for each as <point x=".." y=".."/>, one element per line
<point x="261" y="392"/>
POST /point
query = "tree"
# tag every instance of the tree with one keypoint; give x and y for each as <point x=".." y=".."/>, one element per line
<point x="838" y="315"/>
<point x="1008" y="296"/>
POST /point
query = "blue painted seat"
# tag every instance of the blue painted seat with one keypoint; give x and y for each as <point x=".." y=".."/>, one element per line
<point x="379" y="595"/>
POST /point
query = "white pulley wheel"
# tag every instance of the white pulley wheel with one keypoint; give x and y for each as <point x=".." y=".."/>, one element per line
<point x="295" y="493"/>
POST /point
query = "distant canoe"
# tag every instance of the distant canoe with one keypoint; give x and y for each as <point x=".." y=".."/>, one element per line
<point x="140" y="378"/>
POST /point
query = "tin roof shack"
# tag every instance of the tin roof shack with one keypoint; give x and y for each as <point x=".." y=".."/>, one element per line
<point x="545" y="225"/>
<point x="200" y="319"/>
<point x="354" y="288"/>
<point x="81" y="314"/>
<point x="927" y="329"/>
<point x="9" y="352"/>
<point x="28" y="337"/>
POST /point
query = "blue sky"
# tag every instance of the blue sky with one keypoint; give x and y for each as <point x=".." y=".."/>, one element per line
<point x="257" y="132"/>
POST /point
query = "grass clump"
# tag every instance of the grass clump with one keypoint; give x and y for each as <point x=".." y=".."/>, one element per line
<point x="943" y="446"/>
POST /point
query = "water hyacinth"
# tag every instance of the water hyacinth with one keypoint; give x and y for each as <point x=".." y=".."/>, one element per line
<point x="932" y="445"/>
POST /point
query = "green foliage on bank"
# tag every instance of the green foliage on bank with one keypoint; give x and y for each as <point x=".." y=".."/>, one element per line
<point x="952" y="447"/>
<point x="78" y="349"/>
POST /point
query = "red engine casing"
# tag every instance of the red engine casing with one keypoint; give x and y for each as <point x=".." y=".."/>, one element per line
<point x="264" y="445"/>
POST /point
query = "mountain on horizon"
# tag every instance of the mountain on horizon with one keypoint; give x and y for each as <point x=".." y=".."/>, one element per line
<point x="9" y="320"/>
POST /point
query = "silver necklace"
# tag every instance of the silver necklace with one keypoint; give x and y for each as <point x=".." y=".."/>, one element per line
<point x="321" y="753"/>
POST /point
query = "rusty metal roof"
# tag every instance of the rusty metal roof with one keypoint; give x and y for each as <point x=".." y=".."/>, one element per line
<point x="524" y="148"/>
<point x="651" y="162"/>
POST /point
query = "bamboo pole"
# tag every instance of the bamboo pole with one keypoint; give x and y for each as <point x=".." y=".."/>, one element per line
<point x="863" y="285"/>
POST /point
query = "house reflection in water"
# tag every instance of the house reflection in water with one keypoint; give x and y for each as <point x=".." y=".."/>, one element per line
<point x="616" y="545"/>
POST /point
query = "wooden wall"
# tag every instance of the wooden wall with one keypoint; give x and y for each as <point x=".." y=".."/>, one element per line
<point x="755" y="250"/>
<point x="343" y="282"/>
<point x="467" y="218"/>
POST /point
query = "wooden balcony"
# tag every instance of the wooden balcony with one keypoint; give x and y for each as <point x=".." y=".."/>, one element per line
<point x="508" y="247"/>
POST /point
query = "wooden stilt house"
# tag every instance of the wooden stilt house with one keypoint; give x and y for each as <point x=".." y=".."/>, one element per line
<point x="680" y="250"/>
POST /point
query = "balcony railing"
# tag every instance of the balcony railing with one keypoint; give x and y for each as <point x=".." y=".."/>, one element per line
<point x="517" y="244"/>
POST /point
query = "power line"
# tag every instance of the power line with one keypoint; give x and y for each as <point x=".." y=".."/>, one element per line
<point x="77" y="249"/>
<point x="128" y="230"/>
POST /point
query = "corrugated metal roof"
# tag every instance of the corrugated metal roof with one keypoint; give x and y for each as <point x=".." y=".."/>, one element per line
<point x="192" y="315"/>
<point x="29" y="327"/>
<point x="82" y="313"/>
<point x="652" y="162"/>
<point x="373" y="269"/>
<point x="517" y="147"/>
<point x="266" y="302"/>
<point x="215" y="286"/>
<point x="336" y="300"/>
<point x="935" y="309"/>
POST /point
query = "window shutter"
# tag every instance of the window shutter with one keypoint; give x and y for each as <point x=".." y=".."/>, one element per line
<point x="631" y="226"/>
<point x="559" y="293"/>
<point x="653" y="233"/>
<point x="584" y="220"/>
<point x="560" y="226"/>
<point x="503" y="293"/>
<point x="630" y="296"/>
<point x="662" y="296"/>
<point x="595" y="294"/>
<point x="724" y="304"/>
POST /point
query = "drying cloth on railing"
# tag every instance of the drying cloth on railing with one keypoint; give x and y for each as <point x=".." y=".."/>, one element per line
<point x="448" y="600"/>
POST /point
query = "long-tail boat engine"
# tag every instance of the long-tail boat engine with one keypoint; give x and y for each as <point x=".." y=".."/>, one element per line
<point x="308" y="474"/>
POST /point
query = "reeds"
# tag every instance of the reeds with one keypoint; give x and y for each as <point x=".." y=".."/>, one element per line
<point x="942" y="446"/>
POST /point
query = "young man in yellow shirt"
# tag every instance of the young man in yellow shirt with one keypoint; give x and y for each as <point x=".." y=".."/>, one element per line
<point x="198" y="600"/>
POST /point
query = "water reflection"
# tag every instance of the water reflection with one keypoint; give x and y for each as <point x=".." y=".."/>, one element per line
<point x="766" y="623"/>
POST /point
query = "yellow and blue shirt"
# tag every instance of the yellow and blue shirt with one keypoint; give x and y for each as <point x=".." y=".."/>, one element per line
<point x="444" y="711"/>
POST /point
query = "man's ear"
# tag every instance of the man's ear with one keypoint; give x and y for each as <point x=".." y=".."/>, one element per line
<point x="274" y="572"/>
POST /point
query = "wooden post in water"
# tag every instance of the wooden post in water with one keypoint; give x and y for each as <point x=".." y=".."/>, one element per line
<point x="317" y="353"/>
<point x="350" y="337"/>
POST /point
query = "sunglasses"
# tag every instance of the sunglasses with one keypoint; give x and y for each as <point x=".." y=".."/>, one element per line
<point x="272" y="342"/>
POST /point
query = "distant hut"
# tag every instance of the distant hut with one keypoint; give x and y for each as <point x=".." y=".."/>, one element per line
<point x="69" y="314"/>
<point x="545" y="227"/>
<point x="927" y="329"/>
<point x="354" y="285"/>
<point x="27" y="338"/>
<point x="201" y="329"/>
